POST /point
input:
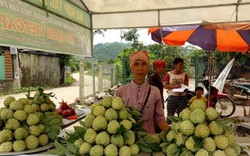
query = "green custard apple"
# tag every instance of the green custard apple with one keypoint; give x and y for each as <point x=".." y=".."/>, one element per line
<point x="21" y="133"/>
<point x="102" y="139"/>
<point x="202" y="131"/>
<point x="209" y="144"/>
<point x="99" y="111"/>
<point x="134" y="149"/>
<point x="90" y="135"/>
<point x="20" y="115"/>
<point x="211" y="114"/>
<point x="107" y="102"/>
<point x="43" y="139"/>
<point x="124" y="151"/>
<point x="187" y="127"/>
<point x="185" y="114"/>
<point x="197" y="116"/>
<point x="117" y="103"/>
<point x="100" y="123"/>
<point x="12" y="124"/>
<point x="219" y="153"/>
<point x="85" y="148"/>
<point x="32" y="142"/>
<point x="8" y="100"/>
<point x="96" y="150"/>
<point x="32" y="119"/>
<point x="117" y="140"/>
<point x="6" y="135"/>
<point x="111" y="114"/>
<point x="111" y="150"/>
<point x="89" y="120"/>
<point x="113" y="127"/>
<point x="19" y="145"/>
<point x="6" y="146"/>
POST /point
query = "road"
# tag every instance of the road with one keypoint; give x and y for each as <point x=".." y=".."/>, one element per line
<point x="70" y="93"/>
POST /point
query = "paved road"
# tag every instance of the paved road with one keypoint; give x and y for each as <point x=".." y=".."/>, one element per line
<point x="69" y="94"/>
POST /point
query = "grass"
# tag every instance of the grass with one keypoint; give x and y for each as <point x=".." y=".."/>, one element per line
<point x="19" y="90"/>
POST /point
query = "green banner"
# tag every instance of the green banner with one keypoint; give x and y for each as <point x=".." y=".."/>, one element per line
<point x="64" y="9"/>
<point x="23" y="25"/>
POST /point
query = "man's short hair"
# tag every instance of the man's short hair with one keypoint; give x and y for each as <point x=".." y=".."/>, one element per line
<point x="199" y="88"/>
<point x="178" y="60"/>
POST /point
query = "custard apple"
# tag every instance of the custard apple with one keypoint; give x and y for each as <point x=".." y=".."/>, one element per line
<point x="96" y="150"/>
<point x="19" y="145"/>
<point x="102" y="139"/>
<point x="197" y="116"/>
<point x="209" y="144"/>
<point x="43" y="139"/>
<point x="100" y="123"/>
<point x="117" y="103"/>
<point x="117" y="140"/>
<point x="124" y="151"/>
<point x="113" y="127"/>
<point x="85" y="148"/>
<point x="107" y="102"/>
<point x="8" y="100"/>
<point x="111" y="150"/>
<point x="187" y="127"/>
<point x="111" y="114"/>
<point x="21" y="133"/>
<point x="90" y="135"/>
<point x="32" y="142"/>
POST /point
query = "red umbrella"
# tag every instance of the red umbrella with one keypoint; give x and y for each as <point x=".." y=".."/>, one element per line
<point x="231" y="37"/>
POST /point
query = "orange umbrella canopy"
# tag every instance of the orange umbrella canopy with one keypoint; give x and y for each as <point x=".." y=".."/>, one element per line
<point x="225" y="37"/>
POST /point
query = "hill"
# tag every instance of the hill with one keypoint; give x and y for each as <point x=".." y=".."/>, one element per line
<point x="106" y="51"/>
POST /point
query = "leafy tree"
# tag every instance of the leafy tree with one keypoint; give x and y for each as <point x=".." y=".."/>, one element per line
<point x="64" y="60"/>
<point x="99" y="31"/>
<point x="133" y="36"/>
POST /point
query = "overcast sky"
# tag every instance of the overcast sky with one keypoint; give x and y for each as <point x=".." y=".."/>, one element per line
<point x="113" y="35"/>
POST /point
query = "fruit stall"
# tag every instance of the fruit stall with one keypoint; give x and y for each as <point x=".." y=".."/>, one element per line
<point x="35" y="126"/>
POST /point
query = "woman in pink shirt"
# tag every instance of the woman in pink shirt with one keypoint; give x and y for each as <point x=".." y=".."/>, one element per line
<point x="135" y="94"/>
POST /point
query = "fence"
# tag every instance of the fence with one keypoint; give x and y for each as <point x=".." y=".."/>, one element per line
<point x="107" y="76"/>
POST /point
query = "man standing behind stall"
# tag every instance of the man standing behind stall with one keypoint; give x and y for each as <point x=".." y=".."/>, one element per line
<point x="177" y="101"/>
<point x="156" y="78"/>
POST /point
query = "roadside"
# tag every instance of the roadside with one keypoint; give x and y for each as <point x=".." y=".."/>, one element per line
<point x="70" y="93"/>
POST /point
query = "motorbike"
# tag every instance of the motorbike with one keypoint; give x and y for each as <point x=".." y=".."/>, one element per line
<point x="240" y="92"/>
<point x="218" y="100"/>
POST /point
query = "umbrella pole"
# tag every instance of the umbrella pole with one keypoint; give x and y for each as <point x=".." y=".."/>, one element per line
<point x="209" y="75"/>
<point x="161" y="34"/>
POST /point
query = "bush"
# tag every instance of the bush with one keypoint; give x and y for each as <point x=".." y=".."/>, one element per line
<point x="68" y="80"/>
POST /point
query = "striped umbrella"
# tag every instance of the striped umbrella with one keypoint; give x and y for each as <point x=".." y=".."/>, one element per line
<point x="232" y="37"/>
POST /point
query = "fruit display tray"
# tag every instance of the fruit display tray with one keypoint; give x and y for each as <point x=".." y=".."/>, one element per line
<point x="28" y="152"/>
<point x="80" y="115"/>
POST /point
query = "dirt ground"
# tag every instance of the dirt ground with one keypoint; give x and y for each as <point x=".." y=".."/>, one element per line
<point x="69" y="94"/>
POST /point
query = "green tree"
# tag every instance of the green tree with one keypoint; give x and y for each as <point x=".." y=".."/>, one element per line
<point x="64" y="61"/>
<point x="133" y="36"/>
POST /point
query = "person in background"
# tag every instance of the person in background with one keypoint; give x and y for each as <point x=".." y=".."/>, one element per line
<point x="140" y="95"/>
<point x="212" y="94"/>
<point x="156" y="78"/>
<point x="177" y="101"/>
<point x="199" y="95"/>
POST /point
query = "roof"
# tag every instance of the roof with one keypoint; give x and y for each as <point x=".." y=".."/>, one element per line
<point x="151" y="13"/>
